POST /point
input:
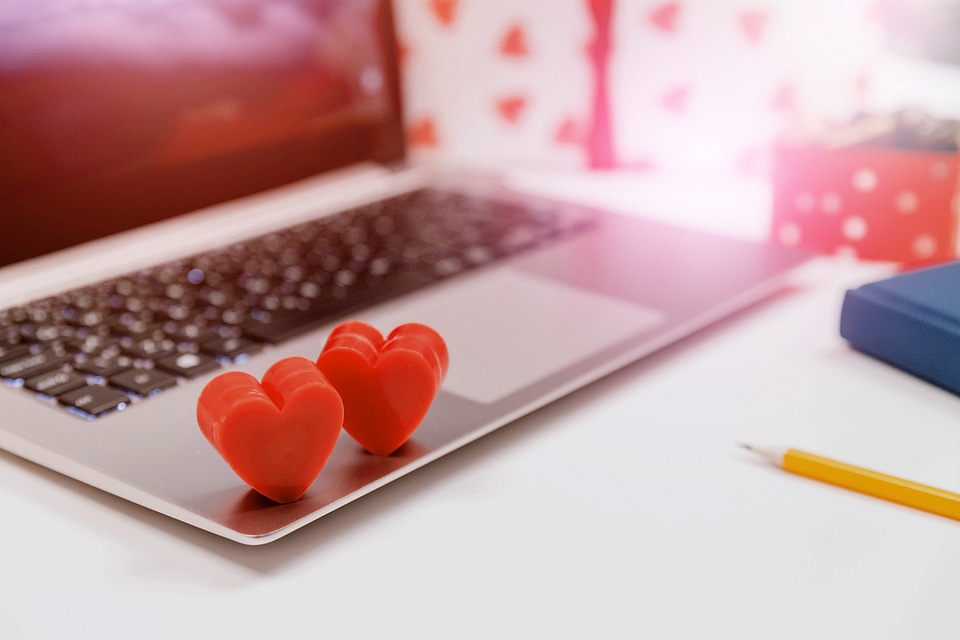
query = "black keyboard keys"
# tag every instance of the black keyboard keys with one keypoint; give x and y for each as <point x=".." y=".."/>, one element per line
<point x="93" y="400"/>
<point x="33" y="364"/>
<point x="55" y="383"/>
<point x="11" y="351"/>
<point x="143" y="381"/>
<point x="103" y="346"/>
<point x="149" y="348"/>
<point x="105" y="364"/>
<point x="188" y="365"/>
<point x="232" y="348"/>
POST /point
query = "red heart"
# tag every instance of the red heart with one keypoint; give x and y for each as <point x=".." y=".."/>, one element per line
<point x="277" y="435"/>
<point x="514" y="42"/>
<point x="754" y="24"/>
<point x="386" y="386"/>
<point x="570" y="131"/>
<point x="423" y="133"/>
<point x="444" y="10"/>
<point x="665" y="16"/>
<point x="511" y="108"/>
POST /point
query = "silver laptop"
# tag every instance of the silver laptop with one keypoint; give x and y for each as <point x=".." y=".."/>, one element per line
<point x="193" y="186"/>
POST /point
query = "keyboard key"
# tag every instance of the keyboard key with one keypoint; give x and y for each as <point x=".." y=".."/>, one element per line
<point x="89" y="318"/>
<point x="48" y="332"/>
<point x="231" y="347"/>
<point x="149" y="348"/>
<point x="33" y="364"/>
<point x="189" y="332"/>
<point x="106" y="364"/>
<point x="139" y="329"/>
<point x="93" y="343"/>
<point x="188" y="365"/>
<point x="143" y="381"/>
<point x="11" y="351"/>
<point x="55" y="383"/>
<point x="94" y="400"/>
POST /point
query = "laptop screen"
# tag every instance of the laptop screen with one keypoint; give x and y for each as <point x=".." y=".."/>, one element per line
<point x="117" y="113"/>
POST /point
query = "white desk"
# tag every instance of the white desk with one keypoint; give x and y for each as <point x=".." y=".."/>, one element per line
<point x="625" y="510"/>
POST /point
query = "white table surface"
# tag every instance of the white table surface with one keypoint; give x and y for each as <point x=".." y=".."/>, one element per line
<point x="623" y="511"/>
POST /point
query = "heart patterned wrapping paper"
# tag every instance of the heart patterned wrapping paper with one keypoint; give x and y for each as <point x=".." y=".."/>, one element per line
<point x="688" y="85"/>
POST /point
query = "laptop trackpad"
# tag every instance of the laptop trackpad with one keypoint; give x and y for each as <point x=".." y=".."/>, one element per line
<point x="509" y="328"/>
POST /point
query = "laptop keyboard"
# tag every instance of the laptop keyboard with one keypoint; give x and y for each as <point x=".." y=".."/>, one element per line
<point x="109" y="345"/>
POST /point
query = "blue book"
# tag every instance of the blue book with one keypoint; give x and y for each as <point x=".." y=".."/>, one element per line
<point x="911" y="321"/>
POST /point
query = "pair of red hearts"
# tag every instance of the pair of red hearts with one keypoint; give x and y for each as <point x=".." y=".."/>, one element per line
<point x="278" y="434"/>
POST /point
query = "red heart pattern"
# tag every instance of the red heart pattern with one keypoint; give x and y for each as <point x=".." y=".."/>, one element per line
<point x="423" y="133"/>
<point x="445" y="11"/>
<point x="514" y="42"/>
<point x="664" y="17"/>
<point x="276" y="434"/>
<point x="511" y="108"/>
<point x="754" y="24"/>
<point x="622" y="61"/>
<point x="387" y="385"/>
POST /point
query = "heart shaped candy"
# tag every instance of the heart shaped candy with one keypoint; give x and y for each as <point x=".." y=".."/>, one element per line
<point x="386" y="386"/>
<point x="276" y="435"/>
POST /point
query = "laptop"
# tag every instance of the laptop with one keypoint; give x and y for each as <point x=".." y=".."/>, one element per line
<point x="195" y="186"/>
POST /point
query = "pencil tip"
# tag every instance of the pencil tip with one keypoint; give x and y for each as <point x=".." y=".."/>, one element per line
<point x="774" y="455"/>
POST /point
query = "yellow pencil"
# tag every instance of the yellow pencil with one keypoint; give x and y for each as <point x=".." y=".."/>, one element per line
<point x="873" y="483"/>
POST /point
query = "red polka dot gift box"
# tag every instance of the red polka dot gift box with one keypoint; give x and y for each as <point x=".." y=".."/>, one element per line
<point x="874" y="201"/>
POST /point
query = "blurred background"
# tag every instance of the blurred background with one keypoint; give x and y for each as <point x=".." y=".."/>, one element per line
<point x="701" y="85"/>
<point x="689" y="110"/>
<point x="683" y="106"/>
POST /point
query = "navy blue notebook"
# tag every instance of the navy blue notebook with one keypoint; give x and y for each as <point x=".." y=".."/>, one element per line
<point x="911" y="320"/>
